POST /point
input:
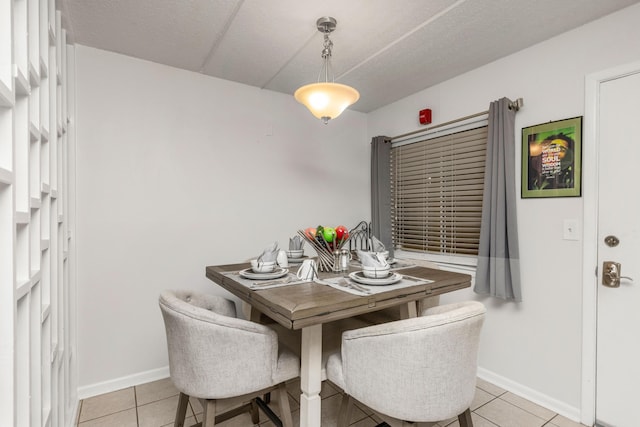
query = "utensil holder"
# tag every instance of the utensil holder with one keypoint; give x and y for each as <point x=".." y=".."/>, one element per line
<point x="324" y="250"/>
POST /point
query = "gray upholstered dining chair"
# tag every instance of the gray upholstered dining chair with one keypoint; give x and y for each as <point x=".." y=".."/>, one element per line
<point x="421" y="369"/>
<point x="214" y="356"/>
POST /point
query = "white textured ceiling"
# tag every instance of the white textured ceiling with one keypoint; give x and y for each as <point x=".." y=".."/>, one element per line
<point x="387" y="49"/>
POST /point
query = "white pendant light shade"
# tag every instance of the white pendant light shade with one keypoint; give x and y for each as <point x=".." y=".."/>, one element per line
<point x="326" y="101"/>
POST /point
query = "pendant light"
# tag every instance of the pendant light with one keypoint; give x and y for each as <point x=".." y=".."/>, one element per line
<point x="326" y="100"/>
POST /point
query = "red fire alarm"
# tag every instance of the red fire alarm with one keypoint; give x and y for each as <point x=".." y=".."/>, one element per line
<point x="425" y="116"/>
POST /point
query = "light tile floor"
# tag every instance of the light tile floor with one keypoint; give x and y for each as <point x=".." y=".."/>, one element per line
<point x="154" y="405"/>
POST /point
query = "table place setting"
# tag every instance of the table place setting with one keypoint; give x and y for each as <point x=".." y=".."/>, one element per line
<point x="270" y="268"/>
<point x="285" y="278"/>
<point x="347" y="284"/>
<point x="375" y="277"/>
<point x="295" y="254"/>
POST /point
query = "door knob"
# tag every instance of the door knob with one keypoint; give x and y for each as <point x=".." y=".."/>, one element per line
<point x="611" y="274"/>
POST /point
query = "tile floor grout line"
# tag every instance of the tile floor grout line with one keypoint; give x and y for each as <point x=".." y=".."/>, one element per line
<point x="528" y="412"/>
<point x="486" y="403"/>
<point x="494" y="395"/>
<point x="488" y="420"/>
<point x="555" y="414"/>
<point x="110" y="414"/>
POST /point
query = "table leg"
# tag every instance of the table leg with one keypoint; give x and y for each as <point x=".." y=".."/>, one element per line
<point x="408" y="310"/>
<point x="250" y="313"/>
<point x="310" y="376"/>
<point x="246" y="310"/>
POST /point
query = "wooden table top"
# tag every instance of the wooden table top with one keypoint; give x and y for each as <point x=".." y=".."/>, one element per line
<point x="301" y="305"/>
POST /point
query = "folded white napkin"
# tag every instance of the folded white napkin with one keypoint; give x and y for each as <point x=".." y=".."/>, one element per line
<point x="269" y="254"/>
<point x="371" y="259"/>
<point x="377" y="245"/>
<point x="295" y="243"/>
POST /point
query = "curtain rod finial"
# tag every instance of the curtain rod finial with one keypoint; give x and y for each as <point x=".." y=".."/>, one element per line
<point x="517" y="104"/>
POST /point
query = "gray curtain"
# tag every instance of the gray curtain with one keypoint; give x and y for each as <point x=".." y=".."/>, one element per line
<point x="381" y="191"/>
<point x="498" y="272"/>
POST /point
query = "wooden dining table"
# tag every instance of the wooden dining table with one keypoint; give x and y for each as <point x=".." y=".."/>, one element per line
<point x="307" y="306"/>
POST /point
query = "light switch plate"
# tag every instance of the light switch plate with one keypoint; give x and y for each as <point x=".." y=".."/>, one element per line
<point x="571" y="229"/>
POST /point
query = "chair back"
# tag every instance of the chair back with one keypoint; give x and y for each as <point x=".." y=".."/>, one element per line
<point x="420" y="369"/>
<point x="213" y="354"/>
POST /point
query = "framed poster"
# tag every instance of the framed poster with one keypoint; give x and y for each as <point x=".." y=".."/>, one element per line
<point x="551" y="159"/>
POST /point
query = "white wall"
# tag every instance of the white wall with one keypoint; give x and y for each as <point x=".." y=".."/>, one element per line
<point x="177" y="171"/>
<point x="533" y="348"/>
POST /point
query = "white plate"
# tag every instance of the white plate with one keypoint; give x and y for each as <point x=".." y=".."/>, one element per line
<point x="248" y="273"/>
<point x="358" y="276"/>
<point x="297" y="260"/>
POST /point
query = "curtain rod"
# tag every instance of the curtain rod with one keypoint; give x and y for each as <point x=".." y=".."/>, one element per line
<point x="513" y="105"/>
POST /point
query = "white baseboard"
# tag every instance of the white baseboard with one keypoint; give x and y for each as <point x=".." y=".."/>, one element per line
<point x="534" y="396"/>
<point x="122" y="382"/>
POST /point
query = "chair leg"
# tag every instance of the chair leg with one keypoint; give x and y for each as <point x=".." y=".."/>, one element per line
<point x="345" y="410"/>
<point x="181" y="412"/>
<point x="255" y="415"/>
<point x="465" y="419"/>
<point x="209" y="414"/>
<point x="283" y="404"/>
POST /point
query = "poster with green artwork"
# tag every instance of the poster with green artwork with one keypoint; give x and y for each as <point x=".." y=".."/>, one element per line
<point x="551" y="159"/>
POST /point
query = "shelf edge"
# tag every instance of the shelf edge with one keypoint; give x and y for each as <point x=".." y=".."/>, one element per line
<point x="34" y="132"/>
<point x="36" y="275"/>
<point x="22" y="218"/>
<point x="7" y="97"/>
<point x="21" y="81"/>
<point x="35" y="203"/>
<point x="44" y="68"/>
<point x="44" y="133"/>
<point x="23" y="289"/>
<point x="34" y="75"/>
<point x="6" y="176"/>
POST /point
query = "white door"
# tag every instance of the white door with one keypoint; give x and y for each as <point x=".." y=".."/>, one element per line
<point x="618" y="308"/>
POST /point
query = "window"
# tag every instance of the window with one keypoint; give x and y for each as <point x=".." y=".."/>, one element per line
<point x="436" y="193"/>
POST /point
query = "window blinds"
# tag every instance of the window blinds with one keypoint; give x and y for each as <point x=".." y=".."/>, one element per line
<point x="436" y="193"/>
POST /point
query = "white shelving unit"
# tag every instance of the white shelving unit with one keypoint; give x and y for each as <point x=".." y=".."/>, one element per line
<point x="37" y="335"/>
